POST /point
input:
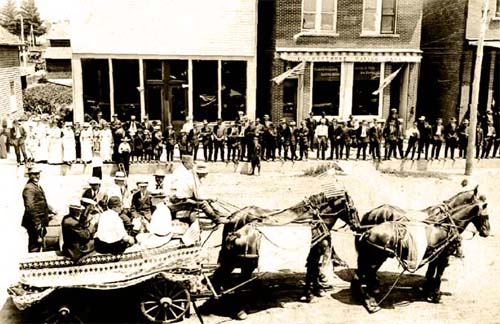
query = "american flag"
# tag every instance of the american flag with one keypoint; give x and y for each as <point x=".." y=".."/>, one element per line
<point x="332" y="189"/>
<point x="192" y="235"/>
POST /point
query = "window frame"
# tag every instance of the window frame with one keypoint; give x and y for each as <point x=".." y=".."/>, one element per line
<point x="497" y="10"/>
<point x="378" y="20"/>
<point x="318" y="18"/>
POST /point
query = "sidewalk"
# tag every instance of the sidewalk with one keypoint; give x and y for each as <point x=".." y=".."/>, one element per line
<point x="278" y="166"/>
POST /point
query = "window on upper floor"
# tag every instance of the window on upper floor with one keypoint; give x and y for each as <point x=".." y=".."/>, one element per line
<point x="497" y="11"/>
<point x="319" y="15"/>
<point x="379" y="17"/>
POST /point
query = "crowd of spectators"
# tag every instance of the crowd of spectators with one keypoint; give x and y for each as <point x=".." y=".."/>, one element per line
<point x="49" y="139"/>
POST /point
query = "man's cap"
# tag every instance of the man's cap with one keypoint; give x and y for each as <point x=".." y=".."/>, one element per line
<point x="159" y="173"/>
<point x="94" y="181"/>
<point x="157" y="127"/>
<point x="158" y="193"/>
<point x="293" y="123"/>
<point x="114" y="201"/>
<point x="115" y="115"/>
<point x="201" y="167"/>
<point x="439" y="119"/>
<point x="452" y="119"/>
<point x="394" y="109"/>
<point x="142" y="183"/>
<point x="400" y="119"/>
<point x="120" y="176"/>
<point x="68" y="124"/>
<point x="266" y="116"/>
<point x="88" y="201"/>
<point x="421" y="118"/>
<point x="125" y="139"/>
<point x="34" y="170"/>
<point x="187" y="158"/>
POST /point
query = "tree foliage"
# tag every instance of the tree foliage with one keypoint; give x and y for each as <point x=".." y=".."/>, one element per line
<point x="47" y="98"/>
<point x="31" y="16"/>
<point x="8" y="17"/>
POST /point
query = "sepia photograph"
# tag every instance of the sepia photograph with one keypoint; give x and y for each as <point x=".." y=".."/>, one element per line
<point x="249" y="161"/>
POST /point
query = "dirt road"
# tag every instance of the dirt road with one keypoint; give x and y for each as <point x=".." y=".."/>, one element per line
<point x="471" y="289"/>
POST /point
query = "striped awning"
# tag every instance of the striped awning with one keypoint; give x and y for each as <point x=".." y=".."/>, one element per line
<point x="351" y="56"/>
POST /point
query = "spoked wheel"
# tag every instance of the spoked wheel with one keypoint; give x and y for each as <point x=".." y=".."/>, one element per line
<point x="165" y="301"/>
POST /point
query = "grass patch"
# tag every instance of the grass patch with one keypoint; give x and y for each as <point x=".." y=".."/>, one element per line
<point x="416" y="174"/>
<point x="318" y="169"/>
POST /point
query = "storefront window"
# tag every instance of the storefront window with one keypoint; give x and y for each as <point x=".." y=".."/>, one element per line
<point x="178" y="70"/>
<point x="326" y="89"/>
<point x="126" y="81"/>
<point x="234" y="84"/>
<point x="153" y="69"/>
<point x="95" y="77"/>
<point x="366" y="81"/>
<point x="205" y="104"/>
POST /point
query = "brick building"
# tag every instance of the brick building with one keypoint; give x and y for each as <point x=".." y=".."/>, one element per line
<point x="337" y="53"/>
<point x="11" y="97"/>
<point x="449" y="40"/>
<point x="165" y="59"/>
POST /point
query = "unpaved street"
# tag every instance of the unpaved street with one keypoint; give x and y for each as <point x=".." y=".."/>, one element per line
<point x="471" y="288"/>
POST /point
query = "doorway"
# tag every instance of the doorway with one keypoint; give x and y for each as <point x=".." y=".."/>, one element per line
<point x="290" y="94"/>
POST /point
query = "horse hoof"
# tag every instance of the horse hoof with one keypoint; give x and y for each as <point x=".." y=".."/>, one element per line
<point x="372" y="306"/>
<point x="434" y="298"/>
<point x="242" y="315"/>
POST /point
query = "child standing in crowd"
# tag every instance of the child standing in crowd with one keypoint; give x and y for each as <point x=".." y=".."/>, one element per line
<point x="255" y="158"/>
<point x="138" y="146"/>
<point x="169" y="138"/>
<point x="124" y="151"/>
<point x="148" y="146"/>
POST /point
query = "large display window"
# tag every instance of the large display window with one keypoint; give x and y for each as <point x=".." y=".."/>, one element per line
<point x="234" y="86"/>
<point x="326" y="89"/>
<point x="366" y="81"/>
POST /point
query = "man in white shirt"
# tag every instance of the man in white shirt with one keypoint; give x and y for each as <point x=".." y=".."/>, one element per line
<point x="185" y="193"/>
<point x="119" y="189"/>
<point x="160" y="226"/>
<point x="321" y="134"/>
<point x="111" y="236"/>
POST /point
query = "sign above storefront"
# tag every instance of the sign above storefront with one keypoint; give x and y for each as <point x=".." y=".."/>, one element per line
<point x="350" y="57"/>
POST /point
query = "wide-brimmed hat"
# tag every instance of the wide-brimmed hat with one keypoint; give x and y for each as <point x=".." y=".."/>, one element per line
<point x="125" y="139"/>
<point x="120" y="176"/>
<point x="142" y="183"/>
<point x="34" y="170"/>
<point x="201" y="168"/>
<point x="421" y="118"/>
<point x="159" y="173"/>
<point x="76" y="204"/>
<point x="94" y="181"/>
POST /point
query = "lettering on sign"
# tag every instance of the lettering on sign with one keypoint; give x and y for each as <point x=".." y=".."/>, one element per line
<point x="350" y="58"/>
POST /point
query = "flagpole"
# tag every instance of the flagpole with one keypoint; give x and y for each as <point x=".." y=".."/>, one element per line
<point x="471" y="145"/>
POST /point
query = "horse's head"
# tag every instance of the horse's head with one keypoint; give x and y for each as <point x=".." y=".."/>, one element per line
<point x="477" y="214"/>
<point x="334" y="207"/>
<point x="463" y="198"/>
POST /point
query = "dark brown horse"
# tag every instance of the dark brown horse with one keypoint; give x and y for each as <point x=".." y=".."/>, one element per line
<point x="390" y="239"/>
<point x="241" y="238"/>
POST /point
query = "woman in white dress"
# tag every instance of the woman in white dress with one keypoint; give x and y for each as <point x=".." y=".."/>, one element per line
<point x="42" y="138"/>
<point x="106" y="142"/>
<point x="86" y="139"/>
<point x="55" y="144"/>
<point x="69" y="145"/>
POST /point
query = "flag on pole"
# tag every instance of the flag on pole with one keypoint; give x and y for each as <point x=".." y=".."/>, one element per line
<point x="386" y="81"/>
<point x="296" y="70"/>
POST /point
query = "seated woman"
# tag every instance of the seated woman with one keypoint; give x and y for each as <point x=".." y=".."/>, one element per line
<point x="111" y="236"/>
<point x="77" y="233"/>
<point x="160" y="227"/>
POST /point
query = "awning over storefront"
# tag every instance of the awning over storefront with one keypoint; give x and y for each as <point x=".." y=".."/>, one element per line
<point x="487" y="43"/>
<point x="350" y="56"/>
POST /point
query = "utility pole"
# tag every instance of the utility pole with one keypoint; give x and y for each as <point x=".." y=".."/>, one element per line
<point x="22" y="38"/>
<point x="471" y="145"/>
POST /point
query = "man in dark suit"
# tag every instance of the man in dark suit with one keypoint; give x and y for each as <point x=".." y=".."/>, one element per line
<point x="94" y="192"/>
<point x="141" y="202"/>
<point x="376" y="138"/>
<point x="363" y="138"/>
<point x="17" y="139"/>
<point x="36" y="211"/>
<point x="77" y="233"/>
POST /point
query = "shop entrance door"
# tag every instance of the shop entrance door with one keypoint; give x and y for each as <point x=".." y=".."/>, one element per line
<point x="178" y="104"/>
<point x="156" y="106"/>
<point x="290" y="94"/>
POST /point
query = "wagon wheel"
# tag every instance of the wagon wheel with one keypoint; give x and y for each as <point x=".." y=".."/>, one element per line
<point x="165" y="301"/>
<point x="64" y="314"/>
